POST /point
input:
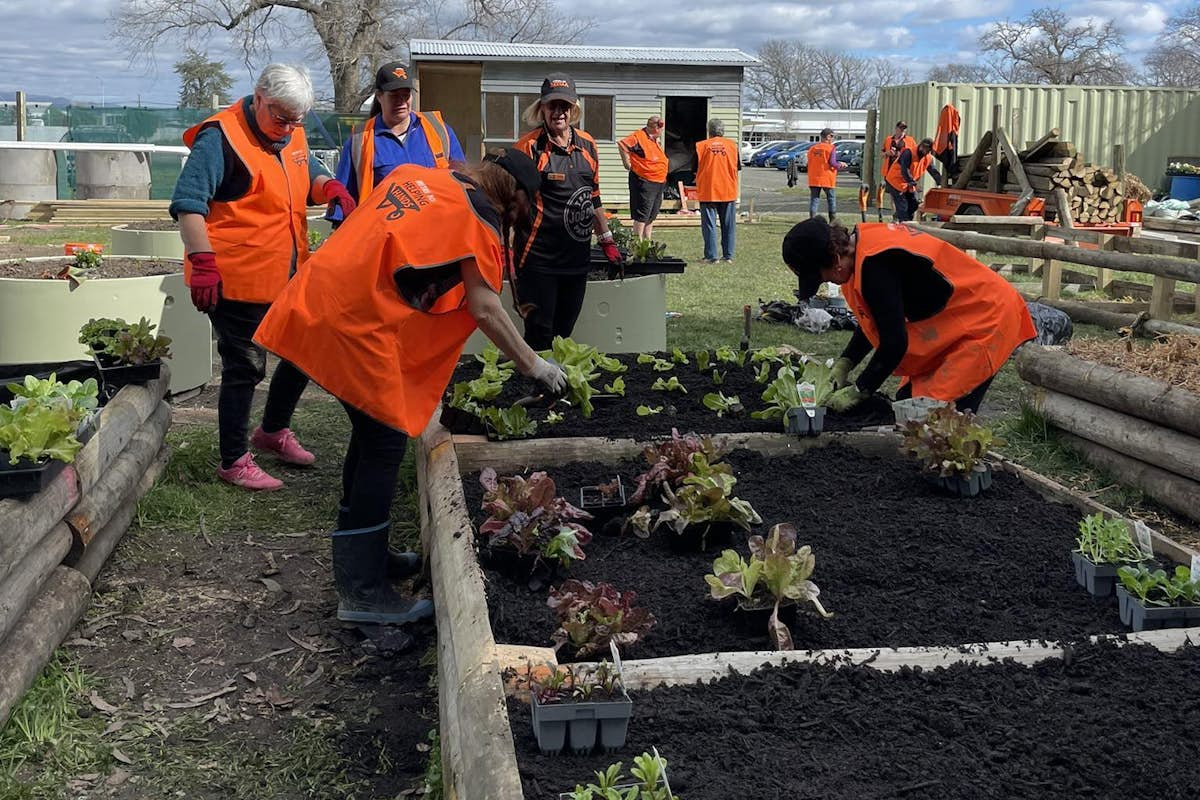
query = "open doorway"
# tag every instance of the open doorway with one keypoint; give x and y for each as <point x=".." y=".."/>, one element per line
<point x="687" y="120"/>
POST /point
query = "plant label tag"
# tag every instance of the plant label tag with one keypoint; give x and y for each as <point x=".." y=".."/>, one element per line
<point x="1145" y="541"/>
<point x="616" y="660"/>
<point x="662" y="767"/>
<point x="1195" y="576"/>
<point x="808" y="397"/>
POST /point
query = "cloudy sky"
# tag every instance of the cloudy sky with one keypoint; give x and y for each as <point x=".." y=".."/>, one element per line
<point x="64" y="48"/>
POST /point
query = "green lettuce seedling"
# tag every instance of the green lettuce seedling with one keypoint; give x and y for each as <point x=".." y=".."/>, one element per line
<point x="723" y="405"/>
<point x="509" y="423"/>
<point x="646" y="411"/>
<point x="702" y="359"/>
<point x="678" y="356"/>
<point x="671" y="384"/>
<point x="1106" y="541"/>
<point x="617" y="387"/>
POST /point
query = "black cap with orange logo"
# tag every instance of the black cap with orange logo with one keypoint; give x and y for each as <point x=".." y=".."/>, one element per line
<point x="393" y="75"/>
<point x="559" y="86"/>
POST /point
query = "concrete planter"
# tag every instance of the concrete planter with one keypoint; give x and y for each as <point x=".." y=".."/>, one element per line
<point x="627" y="316"/>
<point x="40" y="320"/>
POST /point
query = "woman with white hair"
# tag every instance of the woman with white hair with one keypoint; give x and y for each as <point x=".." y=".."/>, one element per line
<point x="240" y="201"/>
<point x="553" y="257"/>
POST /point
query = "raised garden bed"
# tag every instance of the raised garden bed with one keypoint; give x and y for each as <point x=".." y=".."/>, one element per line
<point x="156" y="238"/>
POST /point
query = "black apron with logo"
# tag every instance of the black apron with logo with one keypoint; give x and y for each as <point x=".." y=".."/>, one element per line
<point x="562" y="240"/>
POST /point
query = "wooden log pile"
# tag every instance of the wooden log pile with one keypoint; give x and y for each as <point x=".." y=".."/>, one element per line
<point x="1097" y="195"/>
<point x="53" y="544"/>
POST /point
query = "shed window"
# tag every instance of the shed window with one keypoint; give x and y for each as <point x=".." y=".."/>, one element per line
<point x="597" y="116"/>
<point x="502" y="123"/>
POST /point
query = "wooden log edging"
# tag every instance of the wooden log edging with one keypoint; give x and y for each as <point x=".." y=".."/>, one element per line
<point x="120" y="419"/>
<point x="45" y="624"/>
<point x="1173" y="491"/>
<point x="1138" y="395"/>
<point x="24" y="523"/>
<point x="22" y="586"/>
<point x="1115" y="320"/>
<point x="478" y="756"/>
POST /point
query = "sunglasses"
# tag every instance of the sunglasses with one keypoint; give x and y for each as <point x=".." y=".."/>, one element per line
<point x="282" y="120"/>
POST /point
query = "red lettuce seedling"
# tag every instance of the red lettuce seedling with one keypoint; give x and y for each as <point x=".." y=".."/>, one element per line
<point x="948" y="442"/>
<point x="528" y="517"/>
<point x="591" y="615"/>
<point x="671" y="461"/>
<point x="706" y="497"/>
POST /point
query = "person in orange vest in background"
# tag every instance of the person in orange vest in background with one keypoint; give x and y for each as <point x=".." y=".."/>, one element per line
<point x="939" y="319"/>
<point x="394" y="134"/>
<point x="717" y="190"/>
<point x="896" y="144"/>
<point x="823" y="168"/>
<point x="240" y="201"/>
<point x="945" y="141"/>
<point x="904" y="178"/>
<point x="379" y="316"/>
<point x="642" y="154"/>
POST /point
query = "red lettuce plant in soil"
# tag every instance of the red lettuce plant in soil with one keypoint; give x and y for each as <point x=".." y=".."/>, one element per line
<point x="948" y="442"/>
<point x="671" y="461"/>
<point x="528" y="517"/>
<point x="590" y="615"/>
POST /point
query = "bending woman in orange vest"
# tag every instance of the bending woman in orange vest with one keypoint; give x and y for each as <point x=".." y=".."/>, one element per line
<point x="934" y="316"/>
<point x="379" y="316"/>
<point x="240" y="201"/>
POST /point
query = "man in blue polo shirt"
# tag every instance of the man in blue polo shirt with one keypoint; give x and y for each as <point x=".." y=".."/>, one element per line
<point x="397" y="135"/>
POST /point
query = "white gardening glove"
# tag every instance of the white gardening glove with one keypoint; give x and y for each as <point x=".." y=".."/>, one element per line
<point x="549" y="374"/>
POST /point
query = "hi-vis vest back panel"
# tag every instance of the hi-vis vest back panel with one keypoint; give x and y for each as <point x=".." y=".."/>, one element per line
<point x="965" y="343"/>
<point x="716" y="170"/>
<point x="895" y="177"/>
<point x="651" y="164"/>
<point x="949" y="121"/>
<point x="378" y="315"/>
<point x="258" y="236"/>
<point x="819" y="172"/>
<point x="362" y="148"/>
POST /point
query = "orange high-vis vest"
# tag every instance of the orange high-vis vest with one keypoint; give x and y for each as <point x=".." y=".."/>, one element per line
<point x="820" y="174"/>
<point x="651" y="165"/>
<point x="965" y="343"/>
<point x="378" y="316"/>
<point x="258" y="237"/>
<point x="948" y="123"/>
<point x="716" y="170"/>
<point x="906" y="143"/>
<point x="362" y="148"/>
<point x="895" y="176"/>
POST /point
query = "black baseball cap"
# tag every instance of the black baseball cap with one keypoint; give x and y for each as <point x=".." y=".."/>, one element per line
<point x="559" y="86"/>
<point x="393" y="75"/>
<point x="902" y="124"/>
<point x="521" y="167"/>
<point x="806" y="251"/>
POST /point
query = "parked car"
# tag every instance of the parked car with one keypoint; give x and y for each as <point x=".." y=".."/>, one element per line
<point x="759" y="159"/>
<point x="840" y="146"/>
<point x="748" y="151"/>
<point x="781" y="159"/>
<point x="850" y="152"/>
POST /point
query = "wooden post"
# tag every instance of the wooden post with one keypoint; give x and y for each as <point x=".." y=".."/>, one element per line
<point x="1038" y="234"/>
<point x="964" y="177"/>
<point x="1162" y="294"/>
<point x="1051" y="279"/>
<point x="216" y="102"/>
<point x="870" y="146"/>
<point x="994" y="172"/>
<point x="1118" y="166"/>
<point x="20" y="111"/>
<point x="1104" y="277"/>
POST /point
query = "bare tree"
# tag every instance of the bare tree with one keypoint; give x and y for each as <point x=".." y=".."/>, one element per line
<point x="1045" y="47"/>
<point x="960" y="73"/>
<point x="851" y="82"/>
<point x="354" y="35"/>
<point x="1175" y="58"/>
<point x="787" y="76"/>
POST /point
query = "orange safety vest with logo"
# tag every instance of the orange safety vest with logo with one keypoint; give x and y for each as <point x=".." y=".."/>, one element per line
<point x="905" y="143"/>
<point x="646" y="157"/>
<point x="964" y="344"/>
<point x="259" y="236"/>
<point x="948" y="123"/>
<point x="378" y="317"/>
<point x="895" y="177"/>
<point x="820" y="174"/>
<point x="362" y="148"/>
<point x="716" y="170"/>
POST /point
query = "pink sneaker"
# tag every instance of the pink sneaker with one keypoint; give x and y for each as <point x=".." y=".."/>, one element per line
<point x="284" y="445"/>
<point x="247" y="474"/>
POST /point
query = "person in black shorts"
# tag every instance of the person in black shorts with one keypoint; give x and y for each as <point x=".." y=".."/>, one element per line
<point x="642" y="154"/>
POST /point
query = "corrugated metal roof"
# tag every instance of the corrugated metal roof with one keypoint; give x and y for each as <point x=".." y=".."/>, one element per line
<point x="453" y="50"/>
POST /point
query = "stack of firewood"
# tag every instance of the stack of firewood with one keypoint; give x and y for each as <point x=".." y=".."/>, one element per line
<point x="1095" y="193"/>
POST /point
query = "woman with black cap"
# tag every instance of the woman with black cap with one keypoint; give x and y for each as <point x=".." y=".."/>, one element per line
<point x="379" y="316"/>
<point x="934" y="316"/>
<point x="553" y="257"/>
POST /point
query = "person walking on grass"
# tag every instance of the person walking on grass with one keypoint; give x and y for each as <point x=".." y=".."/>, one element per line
<point x="379" y="316"/>
<point x="642" y="154"/>
<point x="823" y="168"/>
<point x="717" y="168"/>
<point x="240" y="201"/>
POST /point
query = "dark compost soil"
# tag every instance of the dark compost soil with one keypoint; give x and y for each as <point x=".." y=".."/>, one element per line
<point x="897" y="563"/>
<point x="152" y="225"/>
<point x="617" y="417"/>
<point x="1106" y="722"/>
<point x="110" y="267"/>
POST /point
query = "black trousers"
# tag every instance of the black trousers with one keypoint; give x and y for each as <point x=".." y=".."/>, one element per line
<point x="370" y="471"/>
<point x="556" y="300"/>
<point x="968" y="402"/>
<point x="243" y="366"/>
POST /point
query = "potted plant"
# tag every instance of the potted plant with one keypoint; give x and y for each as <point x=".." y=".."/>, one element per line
<point x="41" y="430"/>
<point x="649" y="770"/>
<point x="776" y="577"/>
<point x="594" y="616"/>
<point x="1103" y="545"/>
<point x="670" y="461"/>
<point x="704" y="509"/>
<point x="603" y="500"/>
<point x="125" y="353"/>
<point x="1152" y="599"/>
<point x="530" y="529"/>
<point x="951" y="448"/>
<point x="583" y="705"/>
<point x="799" y="399"/>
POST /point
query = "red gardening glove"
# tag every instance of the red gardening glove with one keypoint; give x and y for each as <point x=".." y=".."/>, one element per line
<point x="205" y="282"/>
<point x="611" y="252"/>
<point x="335" y="192"/>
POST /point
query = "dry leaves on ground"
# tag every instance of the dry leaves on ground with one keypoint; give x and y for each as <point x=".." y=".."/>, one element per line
<point x="1174" y="359"/>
